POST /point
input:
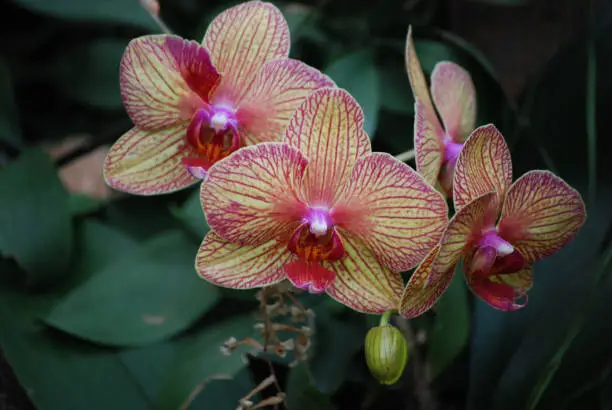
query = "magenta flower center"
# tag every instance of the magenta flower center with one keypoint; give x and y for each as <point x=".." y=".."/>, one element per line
<point x="494" y="255"/>
<point x="316" y="238"/>
<point x="213" y="133"/>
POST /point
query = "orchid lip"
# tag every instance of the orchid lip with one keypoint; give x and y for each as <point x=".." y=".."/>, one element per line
<point x="493" y="240"/>
<point x="451" y="150"/>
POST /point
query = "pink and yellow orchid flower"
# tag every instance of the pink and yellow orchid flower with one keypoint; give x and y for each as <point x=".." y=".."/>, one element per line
<point x="436" y="145"/>
<point x="193" y="104"/>
<point x="319" y="209"/>
<point x="500" y="228"/>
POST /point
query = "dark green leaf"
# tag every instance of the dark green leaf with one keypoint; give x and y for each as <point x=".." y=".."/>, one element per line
<point x="191" y="215"/>
<point x="395" y="91"/>
<point x="201" y="361"/>
<point x="10" y="131"/>
<point x="357" y="73"/>
<point x="336" y="342"/>
<point x="89" y="73"/>
<point x="150" y="295"/>
<point x="83" y="204"/>
<point x="102" y="11"/>
<point x="301" y="394"/>
<point x="35" y="224"/>
<point x="72" y="370"/>
<point x="450" y="333"/>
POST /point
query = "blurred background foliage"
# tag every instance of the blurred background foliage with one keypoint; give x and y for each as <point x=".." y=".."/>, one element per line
<point x="100" y="306"/>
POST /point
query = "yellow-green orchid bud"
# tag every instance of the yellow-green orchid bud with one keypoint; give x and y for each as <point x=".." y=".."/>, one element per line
<point x="386" y="353"/>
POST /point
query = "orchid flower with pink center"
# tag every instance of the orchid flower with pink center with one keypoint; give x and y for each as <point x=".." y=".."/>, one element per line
<point x="500" y="228"/>
<point x="194" y="104"/>
<point x="437" y="145"/>
<point x="319" y="209"/>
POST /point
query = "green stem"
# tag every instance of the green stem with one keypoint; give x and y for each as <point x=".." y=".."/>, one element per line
<point x="386" y="317"/>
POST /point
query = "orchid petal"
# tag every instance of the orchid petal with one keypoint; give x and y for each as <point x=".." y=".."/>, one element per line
<point x="149" y="162"/>
<point x="462" y="229"/>
<point x="418" y="82"/>
<point x="362" y="283"/>
<point x="425" y="287"/>
<point x="541" y="214"/>
<point x="241" y="266"/>
<point x="428" y="146"/>
<point x="328" y="129"/>
<point x="280" y="87"/>
<point x="484" y="165"/>
<point x="252" y="196"/>
<point x="507" y="292"/>
<point x="240" y="41"/>
<point x="391" y="208"/>
<point x="163" y="79"/>
<point x="309" y="276"/>
<point x="454" y="96"/>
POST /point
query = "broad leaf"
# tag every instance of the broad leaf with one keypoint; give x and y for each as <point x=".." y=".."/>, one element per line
<point x="10" y="131"/>
<point x="357" y="73"/>
<point x="35" y="224"/>
<point x="147" y="296"/>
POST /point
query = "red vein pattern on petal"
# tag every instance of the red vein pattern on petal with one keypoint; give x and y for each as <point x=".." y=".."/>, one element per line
<point x="464" y="227"/>
<point x="392" y="210"/>
<point x="328" y="129"/>
<point x="159" y="75"/>
<point x="241" y="266"/>
<point x="241" y="40"/>
<point x="428" y="146"/>
<point x="483" y="165"/>
<point x="253" y="195"/>
<point x="541" y="214"/>
<point x="149" y="162"/>
<point x="362" y="283"/>
<point x="418" y="82"/>
<point x="454" y="96"/>
<point x="425" y="286"/>
<point x="280" y="87"/>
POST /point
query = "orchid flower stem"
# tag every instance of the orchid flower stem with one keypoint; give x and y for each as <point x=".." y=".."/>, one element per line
<point x="152" y="7"/>
<point x="406" y="156"/>
<point x="386" y="317"/>
<point x="161" y="24"/>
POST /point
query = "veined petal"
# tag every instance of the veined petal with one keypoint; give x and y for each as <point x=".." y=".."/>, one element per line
<point x="309" y="276"/>
<point x="280" y="87"/>
<point x="253" y="195"/>
<point x="163" y="78"/>
<point x="241" y="266"/>
<point x="507" y="292"/>
<point x="425" y="286"/>
<point x="149" y="162"/>
<point x="462" y="229"/>
<point x="362" y="283"/>
<point x="428" y="146"/>
<point x="541" y="214"/>
<point x="418" y="82"/>
<point x="328" y="129"/>
<point x="454" y="96"/>
<point x="391" y="208"/>
<point x="241" y="40"/>
<point x="484" y="165"/>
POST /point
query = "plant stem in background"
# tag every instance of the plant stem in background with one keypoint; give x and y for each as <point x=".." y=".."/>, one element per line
<point x="152" y="7"/>
<point x="406" y="156"/>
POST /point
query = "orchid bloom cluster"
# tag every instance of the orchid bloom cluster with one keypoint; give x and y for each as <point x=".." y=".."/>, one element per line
<point x="292" y="190"/>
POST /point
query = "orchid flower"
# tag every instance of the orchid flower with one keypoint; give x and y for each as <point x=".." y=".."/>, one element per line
<point x="500" y="229"/>
<point x="438" y="145"/>
<point x="319" y="209"/>
<point x="193" y="104"/>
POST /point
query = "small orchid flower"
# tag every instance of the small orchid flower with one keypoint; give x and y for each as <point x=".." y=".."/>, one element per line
<point x="500" y="229"/>
<point x="437" y="146"/>
<point x="193" y="104"/>
<point x="319" y="209"/>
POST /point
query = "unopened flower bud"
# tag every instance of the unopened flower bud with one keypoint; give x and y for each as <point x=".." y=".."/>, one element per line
<point x="386" y="353"/>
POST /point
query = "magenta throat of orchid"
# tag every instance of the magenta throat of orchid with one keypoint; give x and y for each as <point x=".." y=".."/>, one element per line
<point x="213" y="133"/>
<point x="495" y="256"/>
